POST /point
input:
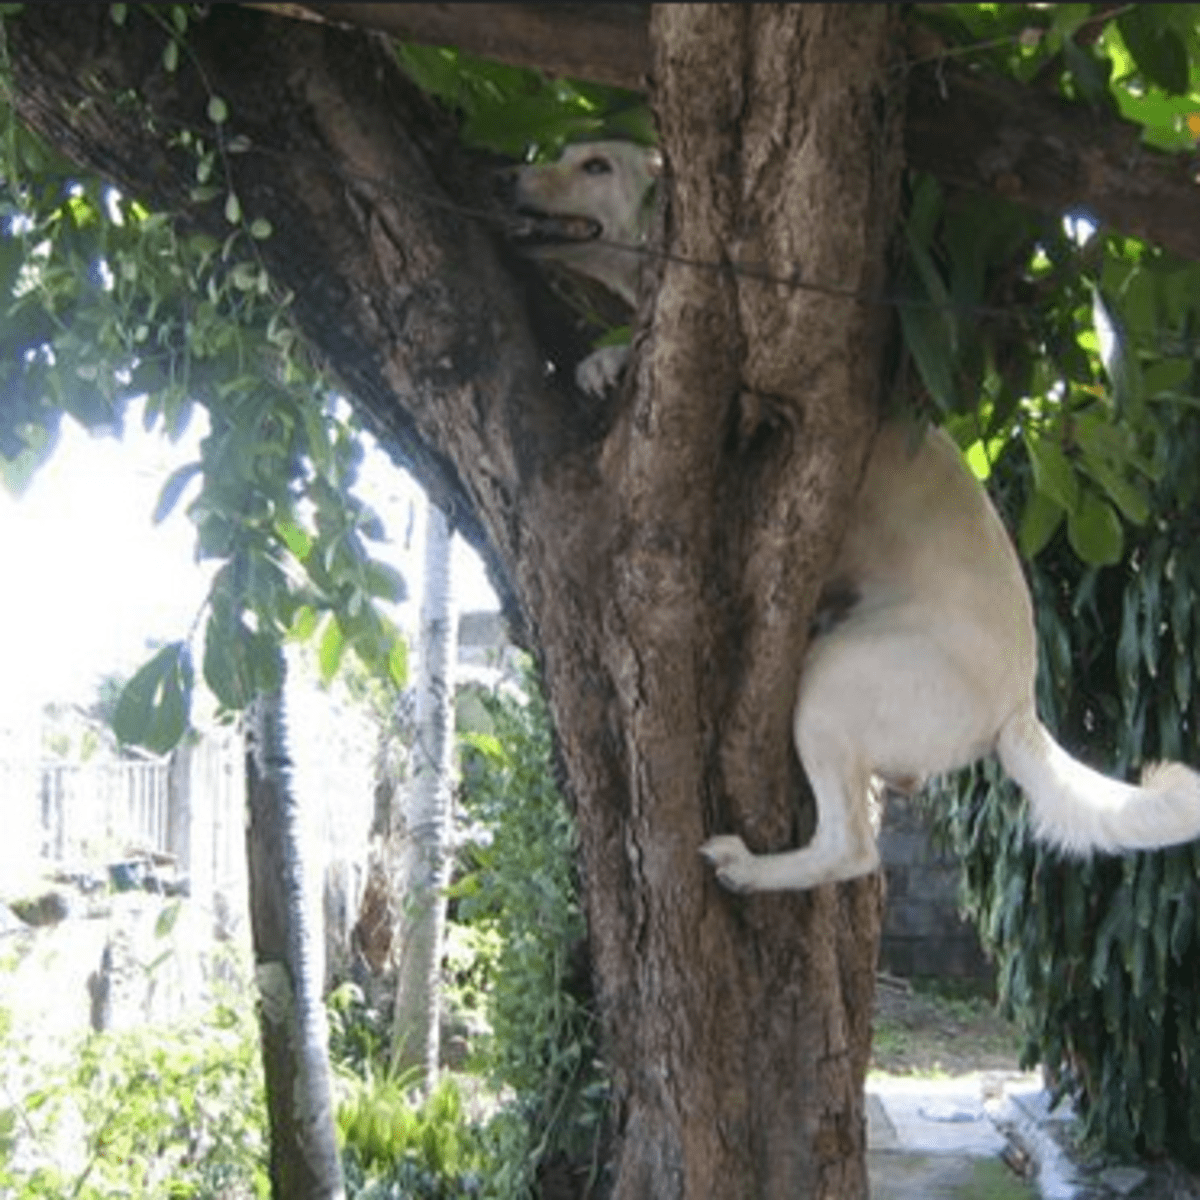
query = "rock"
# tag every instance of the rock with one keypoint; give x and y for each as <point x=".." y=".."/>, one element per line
<point x="1123" y="1180"/>
<point x="46" y="909"/>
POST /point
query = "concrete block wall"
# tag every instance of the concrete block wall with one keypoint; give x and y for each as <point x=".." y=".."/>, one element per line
<point x="923" y="933"/>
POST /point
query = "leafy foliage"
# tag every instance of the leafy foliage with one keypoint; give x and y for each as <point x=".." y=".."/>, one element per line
<point x="397" y="1148"/>
<point x="1137" y="59"/>
<point x="518" y="929"/>
<point x="1082" y="377"/>
<point x="1022" y="325"/>
<point x="1100" y="959"/>
<point x="519" y="112"/>
<point x="164" y="1112"/>
<point x="106" y="301"/>
<point x="523" y="888"/>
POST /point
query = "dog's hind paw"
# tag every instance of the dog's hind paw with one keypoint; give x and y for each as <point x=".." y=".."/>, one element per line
<point x="733" y="863"/>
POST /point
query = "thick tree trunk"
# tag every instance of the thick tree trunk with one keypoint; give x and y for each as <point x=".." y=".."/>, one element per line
<point x="740" y="1029"/>
<point x="666" y="559"/>
<point x="304" y="1161"/>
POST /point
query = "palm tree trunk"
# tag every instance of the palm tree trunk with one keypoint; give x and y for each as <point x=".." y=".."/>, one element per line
<point x="304" y="1157"/>
<point x="427" y="816"/>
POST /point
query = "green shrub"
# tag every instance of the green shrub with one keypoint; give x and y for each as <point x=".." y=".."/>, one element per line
<point x="1100" y="959"/>
<point x="395" y="1147"/>
<point x="523" y="892"/>
<point x="173" y="1112"/>
<point x="358" y="1034"/>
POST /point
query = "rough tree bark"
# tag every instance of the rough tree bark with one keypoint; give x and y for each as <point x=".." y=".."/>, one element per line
<point x="664" y="560"/>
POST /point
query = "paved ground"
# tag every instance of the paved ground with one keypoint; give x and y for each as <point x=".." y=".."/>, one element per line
<point x="987" y="1136"/>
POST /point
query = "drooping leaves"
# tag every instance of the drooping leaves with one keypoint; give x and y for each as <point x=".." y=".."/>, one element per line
<point x="1099" y="959"/>
<point x="154" y="705"/>
<point x="106" y="301"/>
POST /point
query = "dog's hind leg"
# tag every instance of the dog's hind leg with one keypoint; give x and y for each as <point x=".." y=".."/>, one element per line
<point x="843" y="847"/>
<point x="843" y="844"/>
<point x="879" y="696"/>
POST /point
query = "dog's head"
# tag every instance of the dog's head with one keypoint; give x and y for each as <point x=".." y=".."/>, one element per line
<point x="589" y="210"/>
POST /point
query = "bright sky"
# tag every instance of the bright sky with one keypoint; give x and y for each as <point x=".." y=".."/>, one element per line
<point x="87" y="578"/>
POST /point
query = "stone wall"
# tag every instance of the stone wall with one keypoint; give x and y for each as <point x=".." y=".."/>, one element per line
<point x="923" y="933"/>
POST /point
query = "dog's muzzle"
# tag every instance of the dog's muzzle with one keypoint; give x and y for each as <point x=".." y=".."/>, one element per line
<point x="531" y="226"/>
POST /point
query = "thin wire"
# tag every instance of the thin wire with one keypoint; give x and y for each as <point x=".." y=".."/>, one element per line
<point x="794" y="280"/>
<point x="507" y="222"/>
<point x="753" y="271"/>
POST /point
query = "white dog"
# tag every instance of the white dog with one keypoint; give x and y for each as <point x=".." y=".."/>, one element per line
<point x="931" y="665"/>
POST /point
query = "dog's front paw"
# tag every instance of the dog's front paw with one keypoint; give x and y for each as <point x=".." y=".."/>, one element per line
<point x="733" y="863"/>
<point x="598" y="373"/>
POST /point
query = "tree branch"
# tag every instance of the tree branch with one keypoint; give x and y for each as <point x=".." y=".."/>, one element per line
<point x="990" y="134"/>
<point x="967" y="129"/>
<point x="402" y="293"/>
<point x="608" y="43"/>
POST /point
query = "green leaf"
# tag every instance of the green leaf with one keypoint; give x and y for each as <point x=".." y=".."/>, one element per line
<point x="297" y="539"/>
<point x="170" y="56"/>
<point x="1053" y="474"/>
<point x="1094" y="530"/>
<point x="233" y="209"/>
<point x="173" y="488"/>
<point x="218" y="110"/>
<point x="398" y="660"/>
<point x="1120" y="361"/>
<point x="225" y="670"/>
<point x="930" y="343"/>
<point x="1127" y="495"/>
<point x="486" y="744"/>
<point x="1068" y="17"/>
<point x="1090" y="75"/>
<point x="329" y="651"/>
<point x="304" y="623"/>
<point x="1042" y="516"/>
<point x="154" y="706"/>
<point x="168" y="917"/>
<point x="1105" y="455"/>
<point x="1158" y="50"/>
<point x="1128" y="656"/>
<point x="924" y="212"/>
<point x="1166" y="376"/>
<point x="978" y="459"/>
<point x="385" y="582"/>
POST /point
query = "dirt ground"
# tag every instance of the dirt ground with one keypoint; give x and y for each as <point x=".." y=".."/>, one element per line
<point x="923" y="1031"/>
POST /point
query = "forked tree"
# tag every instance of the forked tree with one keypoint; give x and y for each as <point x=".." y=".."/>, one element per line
<point x="662" y="557"/>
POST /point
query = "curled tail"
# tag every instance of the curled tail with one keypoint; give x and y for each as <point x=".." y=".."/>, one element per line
<point x="1081" y="810"/>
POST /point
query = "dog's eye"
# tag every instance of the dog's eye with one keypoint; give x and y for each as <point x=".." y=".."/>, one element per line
<point x="596" y="166"/>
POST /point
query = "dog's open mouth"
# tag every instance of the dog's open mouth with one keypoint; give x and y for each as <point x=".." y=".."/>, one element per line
<point x="531" y="228"/>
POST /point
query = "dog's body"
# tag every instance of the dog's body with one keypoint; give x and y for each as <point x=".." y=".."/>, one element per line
<point x="931" y="664"/>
